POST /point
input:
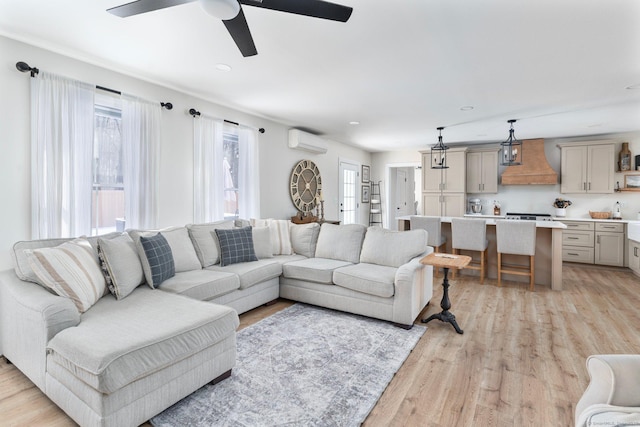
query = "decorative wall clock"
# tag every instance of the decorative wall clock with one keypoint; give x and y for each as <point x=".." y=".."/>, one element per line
<point x="305" y="185"/>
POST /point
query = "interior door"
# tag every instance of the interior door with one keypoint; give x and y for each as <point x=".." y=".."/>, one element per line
<point x="348" y="193"/>
<point x="401" y="192"/>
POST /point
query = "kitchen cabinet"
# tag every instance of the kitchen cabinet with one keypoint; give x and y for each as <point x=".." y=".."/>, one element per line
<point x="446" y="204"/>
<point x="482" y="171"/>
<point x="594" y="242"/>
<point x="609" y="244"/>
<point x="634" y="256"/>
<point x="587" y="168"/>
<point x="450" y="180"/>
<point x="443" y="190"/>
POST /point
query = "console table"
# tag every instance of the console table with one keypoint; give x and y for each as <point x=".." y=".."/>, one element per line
<point x="445" y="261"/>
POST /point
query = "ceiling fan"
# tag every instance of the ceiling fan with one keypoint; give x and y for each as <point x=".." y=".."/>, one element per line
<point x="230" y="12"/>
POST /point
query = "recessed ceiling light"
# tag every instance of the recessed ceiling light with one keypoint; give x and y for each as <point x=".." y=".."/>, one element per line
<point x="223" y="67"/>
<point x="466" y="108"/>
<point x="635" y="86"/>
<point x="354" y="123"/>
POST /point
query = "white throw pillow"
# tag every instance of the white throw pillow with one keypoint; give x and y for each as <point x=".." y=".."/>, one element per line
<point x="304" y="238"/>
<point x="70" y="270"/>
<point x="280" y="237"/>
<point x="184" y="253"/>
<point x="121" y="265"/>
<point x="205" y="242"/>
<point x="262" y="242"/>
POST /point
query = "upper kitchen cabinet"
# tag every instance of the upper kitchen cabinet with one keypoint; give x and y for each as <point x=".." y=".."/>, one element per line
<point x="587" y="167"/>
<point x="482" y="171"/>
<point x="450" y="180"/>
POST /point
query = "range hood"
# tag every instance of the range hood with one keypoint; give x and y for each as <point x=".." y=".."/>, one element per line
<point x="534" y="168"/>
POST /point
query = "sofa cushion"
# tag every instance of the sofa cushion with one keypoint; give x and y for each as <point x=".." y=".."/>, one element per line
<point x="304" y="238"/>
<point x="118" y="342"/>
<point x="392" y="248"/>
<point x="262" y="242"/>
<point x="341" y="242"/>
<point x="319" y="270"/>
<point x="70" y="270"/>
<point x="236" y="245"/>
<point x="205" y="243"/>
<point x="367" y="278"/>
<point x="284" y="259"/>
<point x="157" y="259"/>
<point x="202" y="285"/>
<point x="121" y="265"/>
<point x="252" y="273"/>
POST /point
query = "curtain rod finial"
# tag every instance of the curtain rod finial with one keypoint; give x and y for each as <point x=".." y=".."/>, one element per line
<point x="166" y="105"/>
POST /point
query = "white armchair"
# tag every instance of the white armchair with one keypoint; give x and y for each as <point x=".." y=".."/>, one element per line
<point x="613" y="395"/>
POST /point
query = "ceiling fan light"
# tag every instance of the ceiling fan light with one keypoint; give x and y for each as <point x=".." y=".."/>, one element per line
<point x="221" y="9"/>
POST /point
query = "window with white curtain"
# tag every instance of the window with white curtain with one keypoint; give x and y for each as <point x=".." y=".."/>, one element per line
<point x="226" y="175"/>
<point x="107" y="213"/>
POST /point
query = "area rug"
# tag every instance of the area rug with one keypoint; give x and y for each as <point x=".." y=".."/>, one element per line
<point x="303" y="366"/>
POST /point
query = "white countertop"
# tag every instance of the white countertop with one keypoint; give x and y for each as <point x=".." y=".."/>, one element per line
<point x="491" y="220"/>
<point x="568" y="218"/>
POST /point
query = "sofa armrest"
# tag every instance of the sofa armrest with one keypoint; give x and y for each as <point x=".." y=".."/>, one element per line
<point x="615" y="381"/>
<point x="413" y="289"/>
<point x="29" y="317"/>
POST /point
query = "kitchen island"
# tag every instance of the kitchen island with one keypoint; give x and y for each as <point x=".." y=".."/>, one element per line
<point x="548" y="266"/>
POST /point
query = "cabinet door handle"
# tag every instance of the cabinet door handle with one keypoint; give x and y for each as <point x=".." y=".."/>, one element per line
<point x="635" y="251"/>
<point x="571" y="225"/>
<point x="608" y="226"/>
<point x="572" y="238"/>
<point x="584" y="186"/>
<point x="598" y="240"/>
<point x="571" y="253"/>
<point x="589" y="186"/>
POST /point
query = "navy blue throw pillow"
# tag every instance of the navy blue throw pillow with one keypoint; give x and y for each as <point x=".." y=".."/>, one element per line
<point x="236" y="245"/>
<point x="159" y="257"/>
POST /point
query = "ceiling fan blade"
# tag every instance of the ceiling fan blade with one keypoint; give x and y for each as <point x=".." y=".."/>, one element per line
<point x="143" y="6"/>
<point x="314" y="8"/>
<point x="240" y="33"/>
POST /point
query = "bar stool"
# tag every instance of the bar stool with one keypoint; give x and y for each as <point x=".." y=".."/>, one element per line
<point x="434" y="236"/>
<point x="432" y="225"/>
<point x="470" y="235"/>
<point x="516" y="238"/>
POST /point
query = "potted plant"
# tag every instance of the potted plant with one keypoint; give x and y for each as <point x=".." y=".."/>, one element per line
<point x="561" y="206"/>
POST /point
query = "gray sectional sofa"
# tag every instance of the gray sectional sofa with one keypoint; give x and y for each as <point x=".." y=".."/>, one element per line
<point x="138" y="349"/>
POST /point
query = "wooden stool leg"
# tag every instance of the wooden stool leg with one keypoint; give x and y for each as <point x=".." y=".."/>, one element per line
<point x="452" y="272"/>
<point x="483" y="260"/>
<point x="499" y="269"/>
<point x="533" y="273"/>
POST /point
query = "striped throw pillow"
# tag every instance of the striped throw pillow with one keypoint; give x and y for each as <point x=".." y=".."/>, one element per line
<point x="70" y="270"/>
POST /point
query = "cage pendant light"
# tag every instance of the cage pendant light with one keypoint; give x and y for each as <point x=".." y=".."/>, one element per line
<point x="511" y="149"/>
<point x="439" y="153"/>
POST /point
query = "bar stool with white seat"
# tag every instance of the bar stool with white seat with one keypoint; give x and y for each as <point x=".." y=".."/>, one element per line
<point x="434" y="235"/>
<point x="516" y="238"/>
<point x="471" y="235"/>
<point x="433" y="226"/>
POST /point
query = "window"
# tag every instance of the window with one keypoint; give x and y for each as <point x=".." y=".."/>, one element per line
<point x="107" y="211"/>
<point x="231" y="164"/>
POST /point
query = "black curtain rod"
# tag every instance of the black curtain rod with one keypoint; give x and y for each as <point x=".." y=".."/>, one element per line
<point x="195" y="113"/>
<point x="23" y="67"/>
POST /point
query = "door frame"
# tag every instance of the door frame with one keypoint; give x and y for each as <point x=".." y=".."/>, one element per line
<point x="389" y="221"/>
<point x="358" y="189"/>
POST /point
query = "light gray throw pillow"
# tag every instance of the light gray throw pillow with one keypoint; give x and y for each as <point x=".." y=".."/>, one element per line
<point x="304" y="238"/>
<point x="262" y="242"/>
<point x="120" y="264"/>
<point x="340" y="242"/>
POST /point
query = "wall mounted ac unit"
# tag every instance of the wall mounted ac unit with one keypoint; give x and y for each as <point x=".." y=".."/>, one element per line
<point x="300" y="140"/>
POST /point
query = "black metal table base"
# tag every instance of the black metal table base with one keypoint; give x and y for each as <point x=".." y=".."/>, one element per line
<point x="445" y="315"/>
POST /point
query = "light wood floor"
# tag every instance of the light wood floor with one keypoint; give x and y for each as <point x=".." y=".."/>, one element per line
<point x="520" y="362"/>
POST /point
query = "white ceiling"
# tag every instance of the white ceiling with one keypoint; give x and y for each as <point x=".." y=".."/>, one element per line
<point x="399" y="67"/>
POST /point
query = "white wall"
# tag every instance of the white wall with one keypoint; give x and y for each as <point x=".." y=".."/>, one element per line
<point x="176" y="171"/>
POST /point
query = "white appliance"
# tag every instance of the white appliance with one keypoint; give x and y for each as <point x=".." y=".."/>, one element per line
<point x="300" y="140"/>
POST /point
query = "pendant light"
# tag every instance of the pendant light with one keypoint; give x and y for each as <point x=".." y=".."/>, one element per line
<point x="439" y="153"/>
<point x="511" y="149"/>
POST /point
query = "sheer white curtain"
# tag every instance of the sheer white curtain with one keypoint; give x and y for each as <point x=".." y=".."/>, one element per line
<point x="249" y="177"/>
<point x="208" y="171"/>
<point x="61" y="156"/>
<point x="141" y="161"/>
